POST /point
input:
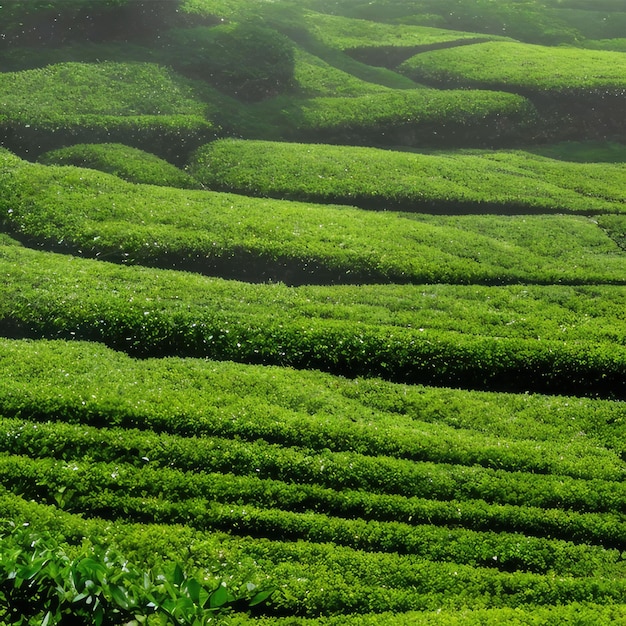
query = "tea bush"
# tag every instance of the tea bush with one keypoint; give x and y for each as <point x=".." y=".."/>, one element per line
<point x="140" y="104"/>
<point x="320" y="412"/>
<point x="315" y="77"/>
<point x="131" y="164"/>
<point x="414" y="117"/>
<point x="350" y="34"/>
<point x="39" y="580"/>
<point x="480" y="181"/>
<point x="256" y="239"/>
<point x="362" y="582"/>
<point x="360" y="500"/>
<point x="532" y="21"/>
<point x="118" y="306"/>
<point x="245" y="60"/>
<point x="524" y="68"/>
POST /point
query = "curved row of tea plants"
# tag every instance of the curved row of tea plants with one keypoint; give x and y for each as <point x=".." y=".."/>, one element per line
<point x="69" y="381"/>
<point x="521" y="67"/>
<point x="123" y="474"/>
<point x="395" y="117"/>
<point x="361" y="501"/>
<point x="361" y="582"/>
<point x="468" y="181"/>
<point x="254" y="239"/>
<point x="139" y="103"/>
<point x="467" y="532"/>
<point x="130" y="164"/>
<point x="119" y="306"/>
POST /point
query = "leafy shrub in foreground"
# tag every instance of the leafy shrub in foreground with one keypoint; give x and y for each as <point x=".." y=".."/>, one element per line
<point x="39" y="579"/>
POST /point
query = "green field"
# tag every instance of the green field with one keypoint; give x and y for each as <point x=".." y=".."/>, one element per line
<point x="312" y="314"/>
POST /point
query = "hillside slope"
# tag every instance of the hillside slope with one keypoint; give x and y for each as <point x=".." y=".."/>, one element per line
<point x="312" y="313"/>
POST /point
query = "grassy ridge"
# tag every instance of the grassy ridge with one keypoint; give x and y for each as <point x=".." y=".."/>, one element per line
<point x="521" y="67"/>
<point x="480" y="181"/>
<point x="119" y="306"/>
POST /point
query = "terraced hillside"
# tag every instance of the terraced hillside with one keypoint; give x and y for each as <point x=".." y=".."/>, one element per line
<point x="312" y="313"/>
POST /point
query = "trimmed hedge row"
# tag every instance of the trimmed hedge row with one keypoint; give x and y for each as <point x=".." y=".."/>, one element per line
<point x="344" y="33"/>
<point x="521" y="67"/>
<point x="575" y="614"/>
<point x="316" y="77"/>
<point x="289" y="511"/>
<point x="338" y="471"/>
<point x="130" y="164"/>
<point x="482" y="182"/>
<point x="305" y="571"/>
<point x="118" y="306"/>
<point x="399" y="117"/>
<point x="172" y="137"/>
<point x="333" y="470"/>
<point x="90" y="384"/>
<point x="140" y="104"/>
<point x="255" y="239"/>
<point x="528" y="21"/>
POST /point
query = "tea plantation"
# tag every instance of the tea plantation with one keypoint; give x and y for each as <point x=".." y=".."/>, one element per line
<point x="312" y="313"/>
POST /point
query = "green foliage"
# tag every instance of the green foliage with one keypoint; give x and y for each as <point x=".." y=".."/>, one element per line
<point x="120" y="306"/>
<point x="527" y="20"/>
<point x="362" y="501"/>
<point x="314" y="77"/>
<point x="300" y="494"/>
<point x="94" y="385"/>
<point x="522" y="67"/>
<point x="244" y="60"/>
<point x="616" y="45"/>
<point x="255" y="239"/>
<point x="584" y="151"/>
<point x="140" y="104"/>
<point x="40" y="580"/>
<point x="397" y="117"/>
<point x="349" y="34"/>
<point x="576" y="614"/>
<point x="131" y="164"/>
<point x="361" y="582"/>
<point x="593" y="22"/>
<point x="480" y="181"/>
<point x="116" y="89"/>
